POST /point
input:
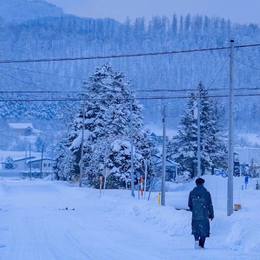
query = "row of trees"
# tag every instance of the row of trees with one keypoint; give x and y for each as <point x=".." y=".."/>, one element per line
<point x="110" y="118"/>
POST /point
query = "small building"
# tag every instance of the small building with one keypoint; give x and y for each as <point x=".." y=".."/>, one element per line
<point x="172" y="168"/>
<point x="21" y="136"/>
<point x="22" y="129"/>
<point x="247" y="154"/>
<point x="43" y="166"/>
<point x="21" y="163"/>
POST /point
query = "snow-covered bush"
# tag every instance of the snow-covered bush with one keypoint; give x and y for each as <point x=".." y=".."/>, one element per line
<point x="9" y="163"/>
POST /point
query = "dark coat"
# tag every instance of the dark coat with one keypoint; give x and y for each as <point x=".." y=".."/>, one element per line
<point x="202" y="210"/>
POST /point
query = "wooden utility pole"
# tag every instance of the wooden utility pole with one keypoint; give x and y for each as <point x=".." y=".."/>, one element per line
<point x="82" y="144"/>
<point x="163" y="156"/>
<point x="230" y="133"/>
<point x="42" y="161"/>
<point x="132" y="149"/>
<point x="30" y="162"/>
<point x="198" y="133"/>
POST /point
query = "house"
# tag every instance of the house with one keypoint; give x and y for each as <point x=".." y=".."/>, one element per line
<point x="27" y="165"/>
<point x="172" y="168"/>
<point x="247" y="154"/>
<point x="21" y="164"/>
<point x="42" y="166"/>
<point x="21" y="136"/>
<point x="23" y="129"/>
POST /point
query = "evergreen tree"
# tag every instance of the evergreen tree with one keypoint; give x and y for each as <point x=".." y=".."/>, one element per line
<point x="184" y="147"/>
<point x="64" y="163"/>
<point x="109" y="108"/>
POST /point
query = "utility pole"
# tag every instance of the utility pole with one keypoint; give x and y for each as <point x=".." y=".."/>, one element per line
<point x="132" y="149"/>
<point x="198" y="133"/>
<point x="42" y="160"/>
<point x="230" y="133"/>
<point x="106" y="156"/>
<point x="30" y="162"/>
<point x="163" y="156"/>
<point x="145" y="176"/>
<point x="82" y="144"/>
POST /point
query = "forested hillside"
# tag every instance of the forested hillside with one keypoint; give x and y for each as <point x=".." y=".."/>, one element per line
<point x="16" y="11"/>
<point x="66" y="36"/>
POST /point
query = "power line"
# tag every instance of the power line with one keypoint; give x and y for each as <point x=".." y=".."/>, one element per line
<point x="62" y="59"/>
<point x="84" y="79"/>
<point x="39" y="92"/>
<point x="123" y="99"/>
<point x="139" y="91"/>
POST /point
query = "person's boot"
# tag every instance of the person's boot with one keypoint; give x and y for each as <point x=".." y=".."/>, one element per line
<point x="196" y="245"/>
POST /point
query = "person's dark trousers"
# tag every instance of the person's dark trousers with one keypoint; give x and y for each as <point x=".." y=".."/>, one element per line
<point x="197" y="238"/>
<point x="202" y="241"/>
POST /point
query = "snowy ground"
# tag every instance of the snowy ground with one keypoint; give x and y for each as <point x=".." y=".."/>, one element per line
<point x="35" y="226"/>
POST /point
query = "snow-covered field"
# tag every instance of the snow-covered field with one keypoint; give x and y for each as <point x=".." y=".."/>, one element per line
<point x="35" y="224"/>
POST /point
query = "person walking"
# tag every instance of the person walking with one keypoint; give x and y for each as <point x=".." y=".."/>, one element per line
<point x="200" y="205"/>
<point x="246" y="181"/>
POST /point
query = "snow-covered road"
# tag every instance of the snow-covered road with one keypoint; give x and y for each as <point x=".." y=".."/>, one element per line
<point x="35" y="225"/>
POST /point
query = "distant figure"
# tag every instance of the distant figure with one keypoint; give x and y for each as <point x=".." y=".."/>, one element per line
<point x="202" y="210"/>
<point x="246" y="181"/>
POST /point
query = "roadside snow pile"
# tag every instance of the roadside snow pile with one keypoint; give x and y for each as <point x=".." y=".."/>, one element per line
<point x="244" y="236"/>
<point x="168" y="220"/>
<point x="239" y="233"/>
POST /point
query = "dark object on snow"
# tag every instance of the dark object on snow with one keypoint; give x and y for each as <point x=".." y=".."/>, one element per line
<point x="182" y="209"/>
<point x="200" y="204"/>
<point x="67" y="209"/>
<point x="237" y="207"/>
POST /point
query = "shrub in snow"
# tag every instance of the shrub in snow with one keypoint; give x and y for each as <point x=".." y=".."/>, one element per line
<point x="9" y="163"/>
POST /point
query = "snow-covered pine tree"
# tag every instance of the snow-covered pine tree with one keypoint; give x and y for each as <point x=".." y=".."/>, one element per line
<point x="216" y="144"/>
<point x="109" y="107"/>
<point x="64" y="163"/>
<point x="183" y="148"/>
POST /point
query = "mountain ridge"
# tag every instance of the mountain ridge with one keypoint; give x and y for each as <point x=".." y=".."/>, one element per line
<point x="17" y="11"/>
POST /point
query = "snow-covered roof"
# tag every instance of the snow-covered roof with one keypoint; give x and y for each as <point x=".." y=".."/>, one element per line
<point x="40" y="159"/>
<point x="24" y="158"/>
<point x="168" y="161"/>
<point x="16" y="155"/>
<point x="20" y="125"/>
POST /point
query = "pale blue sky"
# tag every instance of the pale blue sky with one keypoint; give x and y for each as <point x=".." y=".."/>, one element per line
<point x="242" y="11"/>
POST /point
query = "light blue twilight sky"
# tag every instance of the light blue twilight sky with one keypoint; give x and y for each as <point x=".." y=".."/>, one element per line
<point x="242" y="11"/>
